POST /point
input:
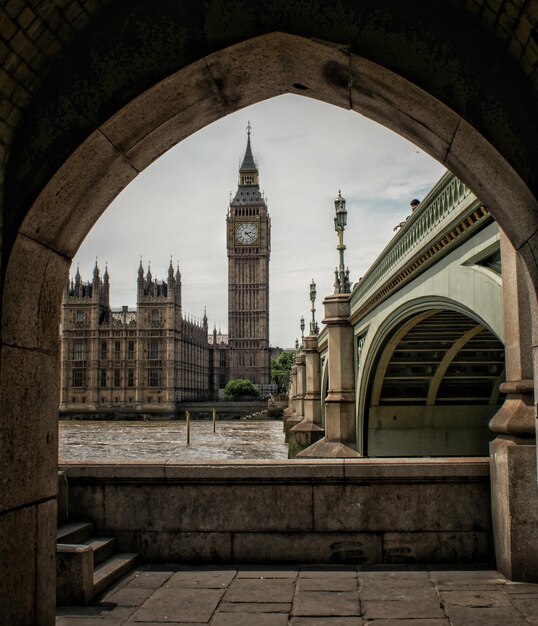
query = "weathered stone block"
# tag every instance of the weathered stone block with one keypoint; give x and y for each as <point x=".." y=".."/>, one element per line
<point x="78" y="193"/>
<point x="195" y="547"/>
<point x="326" y="603"/>
<point x="484" y="616"/>
<point x="386" y="585"/>
<point x="206" y="578"/>
<point x="280" y="63"/>
<point x="46" y="561"/>
<point x="179" y="605"/>
<point x="307" y="548"/>
<point x="87" y="503"/>
<point x="246" y="619"/>
<point x="74" y="574"/>
<point x="18" y="549"/>
<point x="28" y="465"/>
<point x="379" y="94"/>
<point x="161" y="117"/>
<point x="503" y="197"/>
<point x="412" y="608"/>
<point x="63" y="498"/>
<point x="36" y="287"/>
<point x="515" y="508"/>
<point x="260" y="590"/>
<point x="243" y="471"/>
<point x="438" y="547"/>
<point x="402" y="507"/>
<point x="201" y="507"/>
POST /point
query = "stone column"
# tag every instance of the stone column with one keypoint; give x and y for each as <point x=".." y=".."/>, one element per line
<point x="291" y="394"/>
<point x="298" y="415"/>
<point x="514" y="490"/>
<point x="309" y="430"/>
<point x="340" y="435"/>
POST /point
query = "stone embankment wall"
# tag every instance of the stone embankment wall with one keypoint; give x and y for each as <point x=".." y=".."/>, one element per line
<point x="334" y="511"/>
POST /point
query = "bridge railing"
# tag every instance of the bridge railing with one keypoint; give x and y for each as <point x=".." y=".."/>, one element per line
<point x="448" y="202"/>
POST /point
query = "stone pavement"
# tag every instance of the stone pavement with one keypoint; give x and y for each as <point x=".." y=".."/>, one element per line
<point x="309" y="596"/>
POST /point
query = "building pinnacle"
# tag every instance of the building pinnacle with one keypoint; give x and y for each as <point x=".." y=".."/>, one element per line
<point x="248" y="164"/>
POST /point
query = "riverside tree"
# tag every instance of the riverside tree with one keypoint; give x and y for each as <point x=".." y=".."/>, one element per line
<point x="239" y="389"/>
<point x="280" y="370"/>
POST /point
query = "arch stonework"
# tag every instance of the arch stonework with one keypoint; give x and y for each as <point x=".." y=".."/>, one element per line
<point x="458" y="423"/>
<point x="409" y="313"/>
<point x="127" y="84"/>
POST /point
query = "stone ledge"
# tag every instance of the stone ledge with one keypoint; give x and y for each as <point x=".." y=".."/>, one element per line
<point x="298" y="470"/>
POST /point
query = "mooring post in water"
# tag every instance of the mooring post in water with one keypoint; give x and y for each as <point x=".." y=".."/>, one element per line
<point x="214" y="419"/>
<point x="188" y="419"/>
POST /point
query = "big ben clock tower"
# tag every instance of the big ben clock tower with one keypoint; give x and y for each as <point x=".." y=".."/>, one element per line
<point x="249" y="247"/>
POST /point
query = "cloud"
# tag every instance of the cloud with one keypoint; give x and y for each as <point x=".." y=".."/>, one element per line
<point x="306" y="151"/>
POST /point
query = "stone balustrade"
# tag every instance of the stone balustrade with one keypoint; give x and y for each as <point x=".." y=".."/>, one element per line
<point x="448" y="214"/>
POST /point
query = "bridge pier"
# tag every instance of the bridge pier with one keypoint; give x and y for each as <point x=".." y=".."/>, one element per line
<point x="340" y="430"/>
<point x="309" y="430"/>
<point x="514" y="490"/>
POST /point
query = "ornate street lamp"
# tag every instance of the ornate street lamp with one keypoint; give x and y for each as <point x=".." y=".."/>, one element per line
<point x="341" y="274"/>
<point x="314" y="330"/>
<point x="302" y="332"/>
<point x="296" y="345"/>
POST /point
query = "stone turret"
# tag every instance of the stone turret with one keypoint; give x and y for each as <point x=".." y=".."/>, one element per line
<point x="96" y="279"/>
<point x="106" y="286"/>
<point x="178" y="288"/>
<point x="140" y="280"/>
<point x="78" y="283"/>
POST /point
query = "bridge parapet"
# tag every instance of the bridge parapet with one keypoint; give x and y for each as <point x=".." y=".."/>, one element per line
<point x="447" y="216"/>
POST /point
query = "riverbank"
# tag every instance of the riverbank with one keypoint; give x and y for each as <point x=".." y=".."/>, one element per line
<point x="199" y="410"/>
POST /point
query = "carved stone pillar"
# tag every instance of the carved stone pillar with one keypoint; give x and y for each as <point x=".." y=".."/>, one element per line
<point x="297" y="415"/>
<point x="309" y="430"/>
<point x="340" y="435"/>
<point x="290" y="410"/>
<point x="514" y="491"/>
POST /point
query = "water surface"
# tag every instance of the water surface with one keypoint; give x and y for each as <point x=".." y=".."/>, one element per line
<point x="166" y="441"/>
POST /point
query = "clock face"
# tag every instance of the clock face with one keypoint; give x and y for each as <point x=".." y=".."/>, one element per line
<point x="246" y="232"/>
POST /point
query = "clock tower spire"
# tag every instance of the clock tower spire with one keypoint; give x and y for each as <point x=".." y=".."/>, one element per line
<point x="249" y="246"/>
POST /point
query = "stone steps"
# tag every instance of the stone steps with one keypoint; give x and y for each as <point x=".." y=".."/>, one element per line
<point x="102" y="547"/>
<point x="109" y="571"/>
<point x="87" y="565"/>
<point x="74" y="532"/>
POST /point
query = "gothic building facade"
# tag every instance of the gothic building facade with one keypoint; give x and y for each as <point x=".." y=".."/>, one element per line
<point x="249" y="248"/>
<point x="151" y="359"/>
<point x="143" y="361"/>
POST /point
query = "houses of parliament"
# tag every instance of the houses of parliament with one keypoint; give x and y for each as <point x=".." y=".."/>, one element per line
<point x="151" y="359"/>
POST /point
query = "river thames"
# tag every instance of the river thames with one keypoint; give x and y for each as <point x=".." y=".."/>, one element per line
<point x="166" y="441"/>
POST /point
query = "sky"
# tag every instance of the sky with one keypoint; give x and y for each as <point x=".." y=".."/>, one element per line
<point x="306" y="152"/>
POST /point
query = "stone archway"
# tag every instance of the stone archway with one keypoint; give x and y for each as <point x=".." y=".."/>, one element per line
<point x="50" y="213"/>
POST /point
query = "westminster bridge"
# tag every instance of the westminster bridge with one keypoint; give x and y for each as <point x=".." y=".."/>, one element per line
<point x="430" y="355"/>
<point x="418" y="344"/>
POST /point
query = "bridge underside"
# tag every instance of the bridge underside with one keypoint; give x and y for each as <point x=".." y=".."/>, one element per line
<point x="435" y="388"/>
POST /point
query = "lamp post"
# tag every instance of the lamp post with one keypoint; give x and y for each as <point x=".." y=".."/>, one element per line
<point x="341" y="274"/>
<point x="314" y="330"/>
<point x="302" y="332"/>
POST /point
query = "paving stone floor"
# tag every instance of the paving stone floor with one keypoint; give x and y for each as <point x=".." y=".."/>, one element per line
<point x="309" y="596"/>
